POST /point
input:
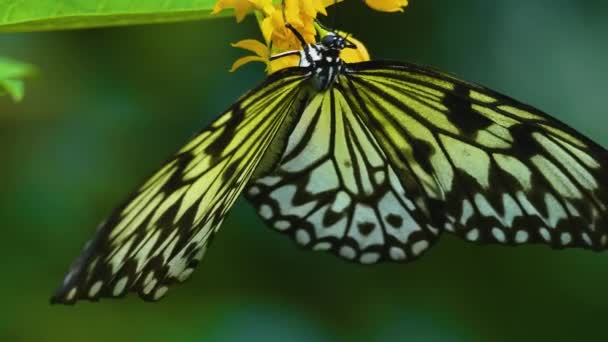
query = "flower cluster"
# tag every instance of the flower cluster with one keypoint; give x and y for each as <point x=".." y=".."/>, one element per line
<point x="301" y="15"/>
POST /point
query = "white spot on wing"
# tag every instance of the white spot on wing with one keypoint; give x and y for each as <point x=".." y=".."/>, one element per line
<point x="521" y="236"/>
<point x="379" y="176"/>
<point x="322" y="246"/>
<point x="71" y="294"/>
<point x="419" y="247"/>
<point x="120" y="285"/>
<point x="566" y="238"/>
<point x="282" y="225"/>
<point x="266" y="211"/>
<point x="302" y="237"/>
<point x="369" y="258"/>
<point x="587" y="239"/>
<point x="473" y="234"/>
<point x="499" y="235"/>
<point x="546" y="235"/>
<point x="160" y="292"/>
<point x="269" y="180"/>
<point x="95" y="288"/>
<point x="254" y="191"/>
<point x="397" y="253"/>
<point x="347" y="252"/>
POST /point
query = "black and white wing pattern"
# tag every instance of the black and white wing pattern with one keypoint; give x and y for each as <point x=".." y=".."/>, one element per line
<point x="159" y="235"/>
<point x="371" y="161"/>
<point x="492" y="169"/>
<point x="335" y="189"/>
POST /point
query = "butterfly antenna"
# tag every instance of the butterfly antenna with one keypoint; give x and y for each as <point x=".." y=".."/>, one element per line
<point x="349" y="44"/>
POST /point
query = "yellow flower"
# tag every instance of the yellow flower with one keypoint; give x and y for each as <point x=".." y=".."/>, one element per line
<point x="301" y="15"/>
<point x="387" y="5"/>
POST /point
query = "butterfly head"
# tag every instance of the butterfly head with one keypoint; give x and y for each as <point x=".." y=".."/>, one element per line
<point x="333" y="41"/>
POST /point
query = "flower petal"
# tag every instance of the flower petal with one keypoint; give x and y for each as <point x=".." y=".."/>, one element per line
<point x="292" y="12"/>
<point x="244" y="60"/>
<point x="254" y="46"/>
<point x="241" y="7"/>
<point x="359" y="54"/>
<point x="387" y="5"/>
<point x="265" y="6"/>
<point x="282" y="63"/>
<point x="267" y="28"/>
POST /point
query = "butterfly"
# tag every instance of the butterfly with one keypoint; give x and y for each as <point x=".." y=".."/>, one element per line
<point x="371" y="161"/>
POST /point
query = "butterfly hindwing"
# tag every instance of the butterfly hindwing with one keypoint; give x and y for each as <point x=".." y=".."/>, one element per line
<point x="493" y="169"/>
<point x="157" y="237"/>
<point x="335" y="190"/>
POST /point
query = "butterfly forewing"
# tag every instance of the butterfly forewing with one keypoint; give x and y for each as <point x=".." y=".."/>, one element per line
<point x="159" y="235"/>
<point x="492" y="169"/>
<point x="335" y="190"/>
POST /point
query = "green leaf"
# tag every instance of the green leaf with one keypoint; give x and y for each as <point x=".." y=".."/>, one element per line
<point x="11" y="77"/>
<point x="14" y="88"/>
<point x="37" y="15"/>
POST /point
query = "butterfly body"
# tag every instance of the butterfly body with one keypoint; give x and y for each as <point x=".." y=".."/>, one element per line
<point x="371" y="161"/>
<point x="323" y="60"/>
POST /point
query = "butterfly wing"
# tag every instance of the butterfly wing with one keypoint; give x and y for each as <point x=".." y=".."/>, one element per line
<point x="335" y="189"/>
<point x="158" y="236"/>
<point x="493" y="169"/>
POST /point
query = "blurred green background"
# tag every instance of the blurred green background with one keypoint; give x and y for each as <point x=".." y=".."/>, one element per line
<point x="111" y="104"/>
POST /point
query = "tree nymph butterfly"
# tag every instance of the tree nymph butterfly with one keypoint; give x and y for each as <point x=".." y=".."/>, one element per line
<point x="371" y="161"/>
